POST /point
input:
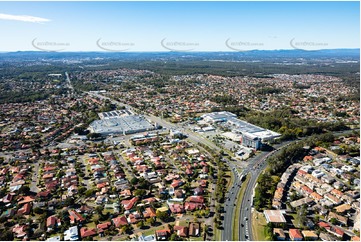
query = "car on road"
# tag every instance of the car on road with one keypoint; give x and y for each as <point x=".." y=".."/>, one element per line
<point x="242" y="225"/>
<point x="245" y="219"/>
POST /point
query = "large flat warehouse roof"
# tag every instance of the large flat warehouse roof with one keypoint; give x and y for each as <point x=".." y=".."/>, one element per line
<point x="240" y="126"/>
<point x="125" y="124"/>
<point x="218" y="116"/>
<point x="114" y="114"/>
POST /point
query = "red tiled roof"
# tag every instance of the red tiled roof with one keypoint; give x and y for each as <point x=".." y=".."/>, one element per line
<point x="356" y="238"/>
<point x="26" y="199"/>
<point x="85" y="232"/>
<point x="301" y="172"/>
<point x="43" y="194"/>
<point x="307" y="158"/>
<point x="149" y="213"/>
<point x="104" y="226"/>
<point x="149" y="200"/>
<point x="74" y="215"/>
<point x="176" y="183"/>
<point x="295" y="234"/>
<point x="101" y="185"/>
<point x="182" y="231"/>
<point x="25" y="209"/>
<point x="119" y="221"/>
<point x="176" y="208"/>
<point x="128" y="204"/>
<point x="51" y="221"/>
<point x="324" y="225"/>
<point x="162" y="232"/>
<point x="307" y="189"/>
<point x="196" y="199"/>
<point x="337" y="230"/>
<point x="190" y="206"/>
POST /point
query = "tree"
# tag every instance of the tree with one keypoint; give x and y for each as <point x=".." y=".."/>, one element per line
<point x="60" y="174"/>
<point x="38" y="210"/>
<point x="268" y="230"/>
<point x="140" y="193"/>
<point x="126" y="228"/>
<point x="134" y="181"/>
<point x="162" y="216"/>
<point x="170" y="227"/>
<point x="89" y="193"/>
<point x="69" y="201"/>
<point x="82" y="189"/>
<point x="99" y="210"/>
<point x="140" y="224"/>
<point x="333" y="221"/>
<point x="6" y="235"/>
<point x="24" y="190"/>
<point x="174" y="237"/>
<point x="197" y="214"/>
<point x="143" y="183"/>
<point x="206" y="213"/>
<point x="150" y="221"/>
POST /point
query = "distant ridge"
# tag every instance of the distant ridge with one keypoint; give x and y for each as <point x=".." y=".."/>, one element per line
<point x="283" y="54"/>
<point x="331" y="51"/>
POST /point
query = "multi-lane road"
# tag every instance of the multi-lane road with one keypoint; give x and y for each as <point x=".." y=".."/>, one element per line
<point x="255" y="166"/>
<point x="191" y="135"/>
<point x="254" y="169"/>
<point x="233" y="193"/>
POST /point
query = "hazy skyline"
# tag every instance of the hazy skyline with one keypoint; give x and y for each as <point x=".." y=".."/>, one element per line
<point x="164" y="26"/>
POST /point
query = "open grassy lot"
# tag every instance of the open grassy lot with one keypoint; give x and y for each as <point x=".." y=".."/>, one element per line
<point x="258" y="224"/>
<point x="91" y="225"/>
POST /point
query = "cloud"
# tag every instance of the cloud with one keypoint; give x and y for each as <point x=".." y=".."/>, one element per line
<point x="24" y="18"/>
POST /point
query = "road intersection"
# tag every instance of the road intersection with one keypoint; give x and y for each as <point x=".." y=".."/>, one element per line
<point x="255" y="166"/>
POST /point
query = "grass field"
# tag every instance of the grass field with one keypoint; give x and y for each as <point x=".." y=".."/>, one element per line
<point x="217" y="234"/>
<point x="258" y="223"/>
<point x="90" y="225"/>
<point x="200" y="238"/>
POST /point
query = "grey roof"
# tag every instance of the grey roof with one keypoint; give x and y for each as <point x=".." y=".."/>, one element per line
<point x="219" y="115"/>
<point x="125" y="124"/>
<point x="114" y="114"/>
<point x="245" y="126"/>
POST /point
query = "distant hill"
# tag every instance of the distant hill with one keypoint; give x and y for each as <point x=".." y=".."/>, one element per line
<point x="234" y="55"/>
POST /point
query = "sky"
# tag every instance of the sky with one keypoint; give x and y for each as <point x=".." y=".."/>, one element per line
<point x="178" y="26"/>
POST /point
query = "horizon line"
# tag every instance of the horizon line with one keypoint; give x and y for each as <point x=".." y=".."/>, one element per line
<point x="174" y="51"/>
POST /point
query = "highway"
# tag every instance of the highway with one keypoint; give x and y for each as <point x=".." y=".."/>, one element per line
<point x="191" y="135"/>
<point x="245" y="223"/>
<point x="254" y="168"/>
<point x="232" y="195"/>
<point x="68" y="82"/>
<point x="229" y="204"/>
